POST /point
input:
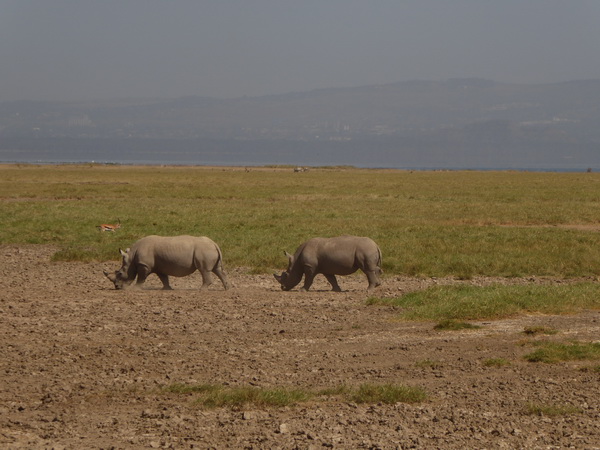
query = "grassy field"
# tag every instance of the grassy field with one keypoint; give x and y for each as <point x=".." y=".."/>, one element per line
<point x="460" y="223"/>
<point x="455" y="303"/>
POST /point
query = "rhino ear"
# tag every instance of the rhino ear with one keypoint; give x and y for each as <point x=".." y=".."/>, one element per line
<point x="290" y="261"/>
<point x="123" y="253"/>
<point x="277" y="277"/>
<point x="106" y="274"/>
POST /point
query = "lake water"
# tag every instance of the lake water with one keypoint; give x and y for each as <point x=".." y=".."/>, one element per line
<point x="307" y="157"/>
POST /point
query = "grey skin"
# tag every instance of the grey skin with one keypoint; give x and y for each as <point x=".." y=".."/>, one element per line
<point x="176" y="256"/>
<point x="332" y="256"/>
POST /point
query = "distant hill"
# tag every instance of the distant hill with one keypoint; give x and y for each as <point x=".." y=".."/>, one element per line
<point x="466" y="123"/>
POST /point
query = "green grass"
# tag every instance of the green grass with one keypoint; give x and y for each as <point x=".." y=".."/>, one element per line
<point x="553" y="352"/>
<point x="465" y="302"/>
<point x="213" y="396"/>
<point x="551" y="410"/>
<point x="427" y="223"/>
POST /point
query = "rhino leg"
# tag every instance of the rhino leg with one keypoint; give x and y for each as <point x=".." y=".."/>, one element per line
<point x="165" y="281"/>
<point x="206" y="278"/>
<point x="333" y="281"/>
<point x="309" y="276"/>
<point x="142" y="274"/>
<point x="218" y="271"/>
<point x="373" y="278"/>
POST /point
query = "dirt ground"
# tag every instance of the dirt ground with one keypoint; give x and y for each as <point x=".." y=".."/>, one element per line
<point x="81" y="365"/>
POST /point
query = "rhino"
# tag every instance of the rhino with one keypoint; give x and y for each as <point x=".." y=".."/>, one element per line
<point x="341" y="255"/>
<point x="176" y="256"/>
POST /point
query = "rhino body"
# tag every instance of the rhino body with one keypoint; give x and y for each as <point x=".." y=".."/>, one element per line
<point x="176" y="256"/>
<point x="332" y="256"/>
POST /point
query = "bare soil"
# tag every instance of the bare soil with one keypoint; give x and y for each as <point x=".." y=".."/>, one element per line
<point x="82" y="365"/>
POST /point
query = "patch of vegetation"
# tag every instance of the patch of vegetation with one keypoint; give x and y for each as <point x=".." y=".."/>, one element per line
<point x="212" y="396"/>
<point x="454" y="325"/>
<point x="465" y="302"/>
<point x="387" y="393"/>
<point x="553" y="352"/>
<point x="533" y="331"/>
<point x="429" y="364"/>
<point x="496" y="362"/>
<point x="551" y="410"/>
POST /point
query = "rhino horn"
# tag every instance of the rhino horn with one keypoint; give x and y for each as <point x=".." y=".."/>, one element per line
<point x="111" y="276"/>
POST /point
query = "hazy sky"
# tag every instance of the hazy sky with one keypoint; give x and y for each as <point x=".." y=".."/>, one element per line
<point x="105" y="49"/>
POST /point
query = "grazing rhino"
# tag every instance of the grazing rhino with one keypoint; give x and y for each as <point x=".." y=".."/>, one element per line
<point x="176" y="256"/>
<point x="332" y="256"/>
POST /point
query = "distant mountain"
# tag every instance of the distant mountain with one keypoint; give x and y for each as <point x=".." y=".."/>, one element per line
<point x="454" y="123"/>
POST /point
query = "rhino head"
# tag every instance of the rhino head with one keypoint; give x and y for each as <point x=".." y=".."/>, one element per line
<point x="285" y="279"/>
<point x="120" y="278"/>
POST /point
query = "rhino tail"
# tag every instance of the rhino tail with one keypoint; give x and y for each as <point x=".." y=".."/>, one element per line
<point x="219" y="262"/>
<point x="379" y="260"/>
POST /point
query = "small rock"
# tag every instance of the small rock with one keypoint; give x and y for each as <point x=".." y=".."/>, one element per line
<point x="249" y="415"/>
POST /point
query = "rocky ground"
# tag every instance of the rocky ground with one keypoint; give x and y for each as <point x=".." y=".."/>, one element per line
<point x="82" y="365"/>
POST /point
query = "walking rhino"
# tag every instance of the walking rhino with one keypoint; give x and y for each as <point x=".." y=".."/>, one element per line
<point x="176" y="256"/>
<point x="341" y="255"/>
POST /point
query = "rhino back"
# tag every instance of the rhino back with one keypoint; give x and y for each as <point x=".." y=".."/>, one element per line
<point x="340" y="255"/>
<point x="177" y="255"/>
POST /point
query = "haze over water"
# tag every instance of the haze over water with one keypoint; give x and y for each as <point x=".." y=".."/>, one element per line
<point x="83" y="51"/>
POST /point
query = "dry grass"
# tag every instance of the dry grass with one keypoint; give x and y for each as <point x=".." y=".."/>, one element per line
<point x="551" y="410"/>
<point x="213" y="396"/>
